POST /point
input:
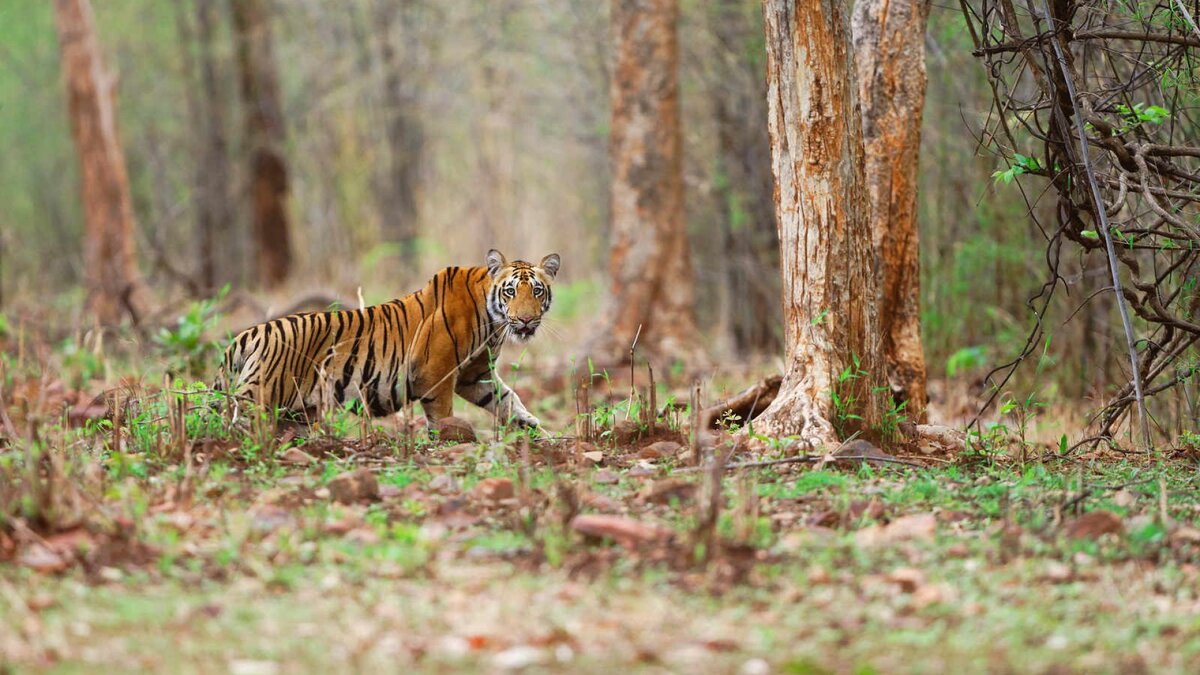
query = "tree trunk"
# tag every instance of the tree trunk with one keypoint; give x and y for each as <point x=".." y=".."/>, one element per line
<point x="889" y="47"/>
<point x="114" y="288"/>
<point x="834" y="362"/>
<point x="216" y="231"/>
<point x="404" y="134"/>
<point x="751" y="248"/>
<point x="650" y="266"/>
<point x="264" y="139"/>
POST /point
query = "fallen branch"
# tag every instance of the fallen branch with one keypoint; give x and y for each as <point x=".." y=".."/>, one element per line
<point x="745" y="405"/>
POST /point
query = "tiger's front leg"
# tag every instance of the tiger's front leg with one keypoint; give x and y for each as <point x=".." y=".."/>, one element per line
<point x="492" y="394"/>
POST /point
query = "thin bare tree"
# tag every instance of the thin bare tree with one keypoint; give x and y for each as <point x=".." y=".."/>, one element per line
<point x="264" y="136"/>
<point x="889" y="48"/>
<point x="650" y="264"/>
<point x="405" y="136"/>
<point x="114" y="288"/>
<point x="834" y="360"/>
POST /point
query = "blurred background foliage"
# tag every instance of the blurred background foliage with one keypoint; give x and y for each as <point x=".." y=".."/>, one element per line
<point x="510" y="101"/>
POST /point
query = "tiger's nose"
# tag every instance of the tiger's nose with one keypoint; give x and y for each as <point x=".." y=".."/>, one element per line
<point x="526" y="320"/>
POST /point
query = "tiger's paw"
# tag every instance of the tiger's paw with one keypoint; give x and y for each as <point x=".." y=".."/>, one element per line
<point x="525" y="420"/>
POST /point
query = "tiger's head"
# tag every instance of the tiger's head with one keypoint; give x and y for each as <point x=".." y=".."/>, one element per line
<point x="520" y="292"/>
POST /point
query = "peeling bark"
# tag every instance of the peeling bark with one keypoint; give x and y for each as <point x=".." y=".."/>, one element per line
<point x="889" y="47"/>
<point x="829" y="287"/>
<point x="650" y="262"/>
<point x="114" y="288"/>
<point x="264" y="139"/>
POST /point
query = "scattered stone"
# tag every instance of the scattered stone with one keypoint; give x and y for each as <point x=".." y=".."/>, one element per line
<point x="625" y="531"/>
<point x="455" y="430"/>
<point x="660" y="449"/>
<point x="908" y="579"/>
<point x="1093" y="525"/>
<point x="605" y="477"/>
<point x="916" y="527"/>
<point x="934" y="439"/>
<point x="444" y="484"/>
<point x="519" y="657"/>
<point x="663" y="491"/>
<point x="755" y="666"/>
<point x="41" y="559"/>
<point x="389" y="492"/>
<point x="1056" y="573"/>
<point x="1185" y="535"/>
<point x="594" y="456"/>
<point x="872" y="510"/>
<point x="297" y="457"/>
<point x="353" y="487"/>
<point x="494" y="489"/>
<point x="458" y="451"/>
<point x="1124" y="498"/>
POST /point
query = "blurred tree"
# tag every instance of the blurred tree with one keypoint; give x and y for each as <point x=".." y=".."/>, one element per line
<point x="889" y="48"/>
<point x="216" y="220"/>
<point x="394" y="22"/>
<point x="114" y="288"/>
<point x="834" y="359"/>
<point x="649" y="264"/>
<point x="749" y="244"/>
<point x="264" y="139"/>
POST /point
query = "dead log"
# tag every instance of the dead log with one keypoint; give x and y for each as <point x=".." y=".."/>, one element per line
<point x="744" y="406"/>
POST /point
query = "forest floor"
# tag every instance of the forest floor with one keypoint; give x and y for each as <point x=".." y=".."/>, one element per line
<point x="148" y="532"/>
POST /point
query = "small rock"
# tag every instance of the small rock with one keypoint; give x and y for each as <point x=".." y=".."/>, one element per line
<point x="444" y="483"/>
<point x="297" y="457"/>
<point x="519" y="657"/>
<point x="605" y="477"/>
<point x="1124" y="498"/>
<point x="625" y="531"/>
<point x="41" y="559"/>
<point x="250" y="667"/>
<point x="934" y="439"/>
<point x="920" y="526"/>
<point x="1185" y="535"/>
<point x="907" y="578"/>
<point x="663" y="491"/>
<point x="594" y="456"/>
<point x="660" y="449"/>
<point x="389" y="491"/>
<point x="1093" y="525"/>
<point x="1056" y="572"/>
<point x="494" y="489"/>
<point x="353" y="487"/>
<point x="929" y="594"/>
<point x="458" y="450"/>
<point x="454" y="430"/>
<point x="755" y="666"/>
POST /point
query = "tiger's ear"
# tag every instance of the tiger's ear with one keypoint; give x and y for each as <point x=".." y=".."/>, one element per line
<point x="550" y="263"/>
<point x="495" y="262"/>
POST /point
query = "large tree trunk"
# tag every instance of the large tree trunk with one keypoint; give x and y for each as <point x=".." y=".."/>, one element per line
<point x="114" y="288"/>
<point x="216" y="230"/>
<point x="405" y="137"/>
<point x="889" y="47"/>
<point x="750" y="245"/>
<point x="834" y="362"/>
<point x="650" y="266"/>
<point x="264" y="139"/>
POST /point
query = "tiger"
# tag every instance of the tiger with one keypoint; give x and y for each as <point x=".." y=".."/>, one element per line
<point x="442" y="340"/>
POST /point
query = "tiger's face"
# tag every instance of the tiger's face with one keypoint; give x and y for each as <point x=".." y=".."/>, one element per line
<point x="520" y="292"/>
